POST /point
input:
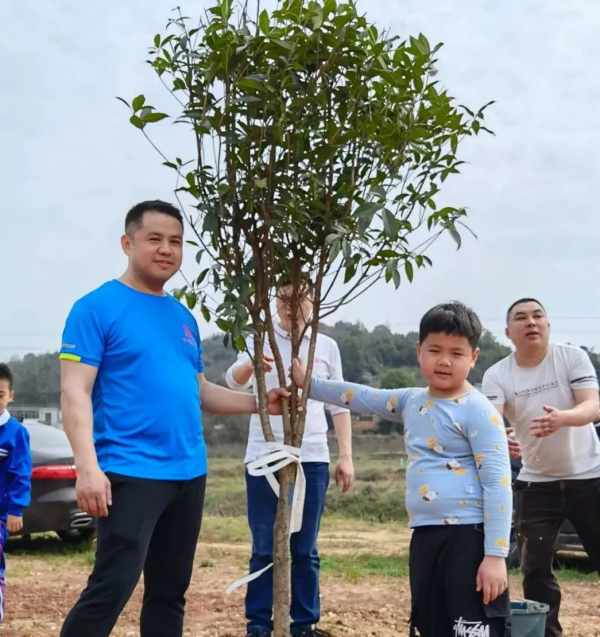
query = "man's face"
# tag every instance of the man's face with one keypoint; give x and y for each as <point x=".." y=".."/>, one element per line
<point x="284" y="307"/>
<point x="6" y="395"/>
<point x="528" y="325"/>
<point x="155" y="249"/>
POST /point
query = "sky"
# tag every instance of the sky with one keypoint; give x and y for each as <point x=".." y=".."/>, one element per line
<point x="72" y="165"/>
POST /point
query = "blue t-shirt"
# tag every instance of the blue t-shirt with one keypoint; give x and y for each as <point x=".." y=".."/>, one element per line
<point x="147" y="418"/>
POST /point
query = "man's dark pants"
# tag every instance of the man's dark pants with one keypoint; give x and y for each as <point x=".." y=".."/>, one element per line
<point x="152" y="527"/>
<point x="305" y="609"/>
<point x="541" y="509"/>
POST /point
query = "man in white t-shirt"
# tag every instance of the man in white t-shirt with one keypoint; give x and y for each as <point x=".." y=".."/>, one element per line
<point x="262" y="502"/>
<point x="549" y="394"/>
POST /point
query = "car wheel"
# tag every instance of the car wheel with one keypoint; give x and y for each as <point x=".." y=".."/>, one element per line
<point x="76" y="536"/>
<point x="513" y="561"/>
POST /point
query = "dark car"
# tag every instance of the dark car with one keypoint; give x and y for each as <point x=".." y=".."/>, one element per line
<point x="568" y="540"/>
<point x="53" y="501"/>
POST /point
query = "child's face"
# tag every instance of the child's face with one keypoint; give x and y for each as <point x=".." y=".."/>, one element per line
<point x="6" y="395"/>
<point x="446" y="360"/>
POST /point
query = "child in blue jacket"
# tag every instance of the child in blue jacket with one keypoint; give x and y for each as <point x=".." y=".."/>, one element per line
<point x="15" y="471"/>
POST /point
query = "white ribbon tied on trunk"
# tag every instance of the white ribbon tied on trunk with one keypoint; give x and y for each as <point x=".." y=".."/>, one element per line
<point x="275" y="457"/>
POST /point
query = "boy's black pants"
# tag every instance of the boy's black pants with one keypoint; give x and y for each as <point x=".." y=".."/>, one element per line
<point x="444" y="561"/>
<point x="152" y="527"/>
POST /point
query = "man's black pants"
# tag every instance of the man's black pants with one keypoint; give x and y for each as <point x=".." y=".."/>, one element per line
<point x="152" y="527"/>
<point x="444" y="562"/>
<point x="540" y="510"/>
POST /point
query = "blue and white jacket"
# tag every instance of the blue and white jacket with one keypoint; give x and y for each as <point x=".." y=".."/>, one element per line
<point x="15" y="467"/>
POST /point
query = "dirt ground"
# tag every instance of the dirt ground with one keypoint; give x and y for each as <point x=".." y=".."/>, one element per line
<point x="41" y="591"/>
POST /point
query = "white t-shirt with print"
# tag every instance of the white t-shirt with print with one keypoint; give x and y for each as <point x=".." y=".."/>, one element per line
<point x="568" y="453"/>
<point x="327" y="365"/>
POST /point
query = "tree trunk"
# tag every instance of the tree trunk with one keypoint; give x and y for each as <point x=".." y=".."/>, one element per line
<point x="281" y="544"/>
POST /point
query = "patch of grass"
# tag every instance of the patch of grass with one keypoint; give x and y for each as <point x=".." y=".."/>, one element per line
<point x="217" y="529"/>
<point x="355" y="567"/>
<point x="48" y="546"/>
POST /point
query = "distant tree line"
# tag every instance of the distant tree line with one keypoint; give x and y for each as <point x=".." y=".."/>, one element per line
<point x="379" y="358"/>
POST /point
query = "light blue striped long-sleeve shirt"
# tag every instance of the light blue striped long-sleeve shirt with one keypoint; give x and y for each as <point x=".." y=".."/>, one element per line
<point x="459" y="467"/>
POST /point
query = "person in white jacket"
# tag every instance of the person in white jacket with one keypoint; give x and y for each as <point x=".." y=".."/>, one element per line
<point x="262" y="501"/>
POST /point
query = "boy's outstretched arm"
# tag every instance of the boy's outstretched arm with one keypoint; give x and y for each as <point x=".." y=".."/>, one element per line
<point x="19" y="480"/>
<point x="386" y="403"/>
<point x="489" y="445"/>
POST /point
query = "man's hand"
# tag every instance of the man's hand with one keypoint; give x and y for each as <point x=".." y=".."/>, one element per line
<point x="93" y="490"/>
<point x="543" y="426"/>
<point x="344" y="473"/>
<point x="14" y="523"/>
<point x="274" y="400"/>
<point x="514" y="447"/>
<point x="267" y="364"/>
<point x="299" y="372"/>
<point x="492" y="578"/>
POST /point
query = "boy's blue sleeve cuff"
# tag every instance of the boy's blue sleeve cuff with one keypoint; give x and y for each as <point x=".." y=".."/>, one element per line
<point x="18" y="513"/>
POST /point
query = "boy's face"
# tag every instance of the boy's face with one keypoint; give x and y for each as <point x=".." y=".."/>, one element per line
<point x="284" y="307"/>
<point x="446" y="360"/>
<point x="6" y="395"/>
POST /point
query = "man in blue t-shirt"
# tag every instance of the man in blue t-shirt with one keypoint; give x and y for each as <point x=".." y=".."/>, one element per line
<point x="132" y="392"/>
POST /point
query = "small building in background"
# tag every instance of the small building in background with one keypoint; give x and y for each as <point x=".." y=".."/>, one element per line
<point x="30" y="413"/>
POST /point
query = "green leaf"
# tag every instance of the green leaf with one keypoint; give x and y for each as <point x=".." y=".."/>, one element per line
<point x="317" y="19"/>
<point x="408" y="267"/>
<point x="223" y="325"/>
<point x="350" y="272"/>
<point x="240" y="344"/>
<point x="157" y="40"/>
<point x="396" y="277"/>
<point x="390" y="225"/>
<point x="476" y="127"/>
<point x="138" y="103"/>
<point x="191" y="299"/>
<point x="202" y="275"/>
<point x="246" y="99"/>
<point x="137" y="122"/>
<point x="154" y="117"/>
<point x="263" y="22"/>
<point x="454" y="143"/>
<point x="205" y="313"/>
<point x="454" y="234"/>
<point x="124" y="102"/>
<point x="261" y="183"/>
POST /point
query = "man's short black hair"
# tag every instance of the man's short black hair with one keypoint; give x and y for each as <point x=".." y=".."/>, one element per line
<point x="453" y="319"/>
<point x="6" y="374"/>
<point x="525" y="300"/>
<point x="135" y="216"/>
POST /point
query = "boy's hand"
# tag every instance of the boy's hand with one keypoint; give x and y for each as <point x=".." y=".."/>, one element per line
<point x="299" y="372"/>
<point x="14" y="523"/>
<point x="492" y="578"/>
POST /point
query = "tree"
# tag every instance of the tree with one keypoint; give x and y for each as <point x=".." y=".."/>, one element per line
<point x="320" y="148"/>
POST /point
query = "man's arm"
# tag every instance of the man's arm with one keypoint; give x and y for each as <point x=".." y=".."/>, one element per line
<point x="93" y="487"/>
<point x="344" y="471"/>
<point x="226" y="402"/>
<point x="493" y="391"/>
<point x="585" y="411"/>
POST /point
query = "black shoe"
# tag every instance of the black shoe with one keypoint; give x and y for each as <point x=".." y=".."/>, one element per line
<point x="259" y="633"/>
<point x="312" y="632"/>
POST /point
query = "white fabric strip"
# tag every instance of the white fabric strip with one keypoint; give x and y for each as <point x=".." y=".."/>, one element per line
<point x="275" y="457"/>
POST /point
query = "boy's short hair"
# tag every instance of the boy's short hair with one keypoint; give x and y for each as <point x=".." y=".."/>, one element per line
<point x="6" y="374"/>
<point x="454" y="319"/>
<point x="524" y="300"/>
